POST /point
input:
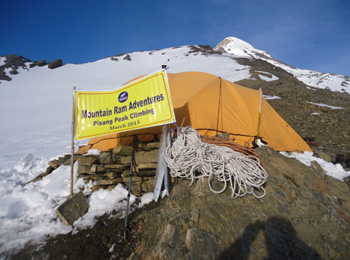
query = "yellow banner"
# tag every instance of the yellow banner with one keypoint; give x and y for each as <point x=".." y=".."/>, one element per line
<point x="143" y="103"/>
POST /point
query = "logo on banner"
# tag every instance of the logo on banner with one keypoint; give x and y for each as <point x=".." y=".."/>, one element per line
<point x="123" y="97"/>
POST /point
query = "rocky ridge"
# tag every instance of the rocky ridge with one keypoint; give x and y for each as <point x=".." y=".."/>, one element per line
<point x="242" y="49"/>
<point x="13" y="62"/>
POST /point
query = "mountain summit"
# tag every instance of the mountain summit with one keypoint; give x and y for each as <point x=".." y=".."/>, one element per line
<point x="239" y="47"/>
<point x="312" y="78"/>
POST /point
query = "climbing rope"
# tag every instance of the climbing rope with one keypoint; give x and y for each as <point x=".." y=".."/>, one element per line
<point x="189" y="157"/>
<point x="229" y="143"/>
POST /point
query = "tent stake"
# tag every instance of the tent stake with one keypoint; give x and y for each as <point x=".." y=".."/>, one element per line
<point x="72" y="146"/>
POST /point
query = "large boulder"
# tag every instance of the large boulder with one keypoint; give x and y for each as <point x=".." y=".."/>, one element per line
<point x="55" y="64"/>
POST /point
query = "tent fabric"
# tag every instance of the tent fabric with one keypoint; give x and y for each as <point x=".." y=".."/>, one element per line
<point x="212" y="105"/>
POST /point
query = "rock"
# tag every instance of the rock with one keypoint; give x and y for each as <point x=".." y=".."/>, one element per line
<point x="111" y="175"/>
<point x="115" y="167"/>
<point x="108" y="182"/>
<point x="41" y="63"/>
<point x="150" y="146"/>
<point x="143" y="173"/>
<point x="106" y="158"/>
<point x="144" y="157"/>
<point x="147" y="166"/>
<point x="97" y="168"/>
<point x="85" y="169"/>
<point x="347" y="180"/>
<point x="324" y="156"/>
<point x="127" y="57"/>
<point x="13" y="72"/>
<point x="316" y="166"/>
<point x="123" y="150"/>
<point x="38" y="63"/>
<point x="40" y="176"/>
<point x="58" y="162"/>
<point x="88" y="160"/>
<point x="72" y="209"/>
<point x="55" y="64"/>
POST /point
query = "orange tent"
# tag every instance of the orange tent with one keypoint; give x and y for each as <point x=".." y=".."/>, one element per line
<point x="212" y="105"/>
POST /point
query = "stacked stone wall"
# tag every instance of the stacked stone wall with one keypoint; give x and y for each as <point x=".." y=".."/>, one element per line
<point x="113" y="167"/>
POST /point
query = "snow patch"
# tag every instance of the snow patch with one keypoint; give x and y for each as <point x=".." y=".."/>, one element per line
<point x="267" y="97"/>
<point x="93" y="152"/>
<point x="324" y="105"/>
<point x="2" y="61"/>
<point x="146" y="199"/>
<point x="334" y="170"/>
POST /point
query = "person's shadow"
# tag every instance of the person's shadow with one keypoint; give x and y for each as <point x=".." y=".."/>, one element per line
<point x="281" y="242"/>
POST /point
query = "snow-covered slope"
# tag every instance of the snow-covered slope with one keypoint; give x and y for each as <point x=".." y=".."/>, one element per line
<point x="38" y="101"/>
<point x="312" y="78"/>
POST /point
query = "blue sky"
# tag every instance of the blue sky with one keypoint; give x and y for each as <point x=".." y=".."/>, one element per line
<point x="308" y="34"/>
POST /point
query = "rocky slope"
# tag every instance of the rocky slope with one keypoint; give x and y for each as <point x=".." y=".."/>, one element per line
<point x="304" y="215"/>
<point x="302" y="107"/>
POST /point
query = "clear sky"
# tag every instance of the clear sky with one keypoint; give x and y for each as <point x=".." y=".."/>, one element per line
<point x="308" y="34"/>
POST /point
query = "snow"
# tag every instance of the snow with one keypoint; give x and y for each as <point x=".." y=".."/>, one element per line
<point x="324" y="105"/>
<point x="146" y="199"/>
<point x="235" y="46"/>
<point x="334" y="170"/>
<point x="105" y="201"/>
<point x="2" y="61"/>
<point x="28" y="210"/>
<point x="35" y="128"/>
<point x="239" y="47"/>
<point x="267" y="97"/>
<point x="93" y="152"/>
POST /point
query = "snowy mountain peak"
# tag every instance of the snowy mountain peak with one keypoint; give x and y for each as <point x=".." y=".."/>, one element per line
<point x="234" y="45"/>
<point x="239" y="47"/>
<point x="242" y="49"/>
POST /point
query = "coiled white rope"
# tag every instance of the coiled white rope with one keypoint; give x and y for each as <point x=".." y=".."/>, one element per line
<point x="189" y="157"/>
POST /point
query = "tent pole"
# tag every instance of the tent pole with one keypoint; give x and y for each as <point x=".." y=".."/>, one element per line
<point x="259" y="117"/>
<point x="219" y="110"/>
<point x="125" y="229"/>
<point x="72" y="146"/>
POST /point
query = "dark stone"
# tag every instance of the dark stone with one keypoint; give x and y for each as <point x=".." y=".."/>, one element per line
<point x="38" y="63"/>
<point x="13" y="72"/>
<point x="41" y="63"/>
<point x="347" y="160"/>
<point x="55" y="64"/>
<point x="72" y="209"/>
<point x="127" y="57"/>
<point x="339" y="158"/>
